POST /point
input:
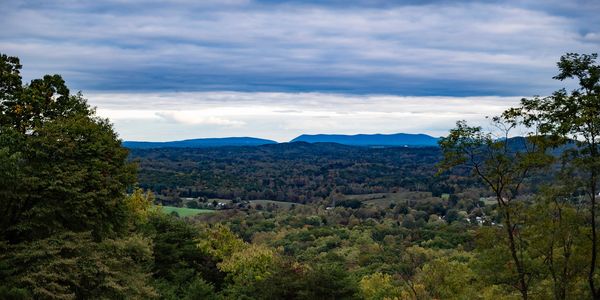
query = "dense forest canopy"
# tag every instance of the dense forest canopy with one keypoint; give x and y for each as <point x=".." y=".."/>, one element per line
<point x="480" y="217"/>
<point x="293" y="172"/>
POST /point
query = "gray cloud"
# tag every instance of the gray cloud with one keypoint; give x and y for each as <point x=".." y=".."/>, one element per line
<point x="276" y="69"/>
<point x="456" y="48"/>
<point x="282" y="116"/>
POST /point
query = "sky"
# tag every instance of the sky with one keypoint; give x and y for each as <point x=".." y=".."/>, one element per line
<point x="170" y="70"/>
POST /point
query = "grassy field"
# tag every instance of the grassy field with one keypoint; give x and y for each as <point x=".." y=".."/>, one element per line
<point x="383" y="200"/>
<point x="489" y="200"/>
<point x="184" y="211"/>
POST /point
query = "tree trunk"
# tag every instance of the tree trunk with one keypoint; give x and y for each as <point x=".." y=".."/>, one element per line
<point x="522" y="284"/>
<point x="595" y="292"/>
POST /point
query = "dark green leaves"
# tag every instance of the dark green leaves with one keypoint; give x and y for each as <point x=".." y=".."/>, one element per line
<point x="62" y="167"/>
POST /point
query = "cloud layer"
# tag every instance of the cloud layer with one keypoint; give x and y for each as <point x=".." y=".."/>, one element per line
<point x="164" y="70"/>
<point x="451" y="48"/>
<point x="283" y="116"/>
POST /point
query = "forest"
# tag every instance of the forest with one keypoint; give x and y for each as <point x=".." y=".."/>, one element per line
<point x="292" y="172"/>
<point x="508" y="211"/>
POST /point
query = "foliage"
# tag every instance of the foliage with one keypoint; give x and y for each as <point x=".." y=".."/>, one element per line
<point x="503" y="168"/>
<point x="445" y="278"/>
<point x="379" y="286"/>
<point x="295" y="172"/>
<point x="178" y="262"/>
<point x="328" y="281"/>
<point x="572" y="120"/>
<point x="140" y="206"/>
<point x="61" y="156"/>
<point x="73" y="265"/>
<point x="220" y="242"/>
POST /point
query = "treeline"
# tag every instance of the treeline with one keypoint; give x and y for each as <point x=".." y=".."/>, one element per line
<point x="293" y="172"/>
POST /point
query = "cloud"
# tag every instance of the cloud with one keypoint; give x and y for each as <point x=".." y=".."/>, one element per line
<point x="196" y="118"/>
<point x="452" y="48"/>
<point x="164" y="70"/>
<point x="283" y="116"/>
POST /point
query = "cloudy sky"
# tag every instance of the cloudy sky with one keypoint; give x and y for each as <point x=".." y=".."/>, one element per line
<point x="165" y="70"/>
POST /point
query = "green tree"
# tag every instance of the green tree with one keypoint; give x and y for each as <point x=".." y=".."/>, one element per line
<point x="220" y="242"/>
<point x="379" y="286"/>
<point x="200" y="289"/>
<point x="446" y="278"/>
<point x="74" y="266"/>
<point x="70" y="171"/>
<point x="10" y="77"/>
<point x="179" y="264"/>
<point x="327" y="281"/>
<point x="502" y="164"/>
<point x="139" y="206"/>
<point x="413" y="259"/>
<point x="556" y="236"/>
<point x="247" y="269"/>
<point x="574" y="117"/>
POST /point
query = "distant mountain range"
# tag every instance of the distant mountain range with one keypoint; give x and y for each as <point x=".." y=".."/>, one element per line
<point x="398" y="139"/>
<point x="200" y="143"/>
<point x="364" y="140"/>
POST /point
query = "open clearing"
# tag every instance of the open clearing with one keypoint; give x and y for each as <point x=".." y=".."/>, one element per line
<point x="184" y="211"/>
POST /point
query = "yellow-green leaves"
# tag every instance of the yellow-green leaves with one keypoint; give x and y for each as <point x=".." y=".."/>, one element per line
<point x="139" y="205"/>
<point x="249" y="264"/>
<point x="220" y="242"/>
<point x="379" y="286"/>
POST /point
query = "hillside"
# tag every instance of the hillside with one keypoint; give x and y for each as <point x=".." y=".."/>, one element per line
<point x="295" y="172"/>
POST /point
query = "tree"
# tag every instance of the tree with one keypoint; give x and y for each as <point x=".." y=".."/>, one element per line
<point x="139" y="206"/>
<point x="247" y="268"/>
<point x="327" y="281"/>
<point x="379" y="286"/>
<point x="10" y="75"/>
<point x="70" y="171"/>
<point x="502" y="164"/>
<point x="555" y="237"/>
<point x="574" y="117"/>
<point x="200" y="289"/>
<point x="448" y="278"/>
<point x="74" y="266"/>
<point x="179" y="264"/>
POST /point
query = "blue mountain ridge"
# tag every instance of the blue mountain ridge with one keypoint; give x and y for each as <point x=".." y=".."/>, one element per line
<point x="398" y="139"/>
<point x="364" y="140"/>
<point x="200" y="143"/>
